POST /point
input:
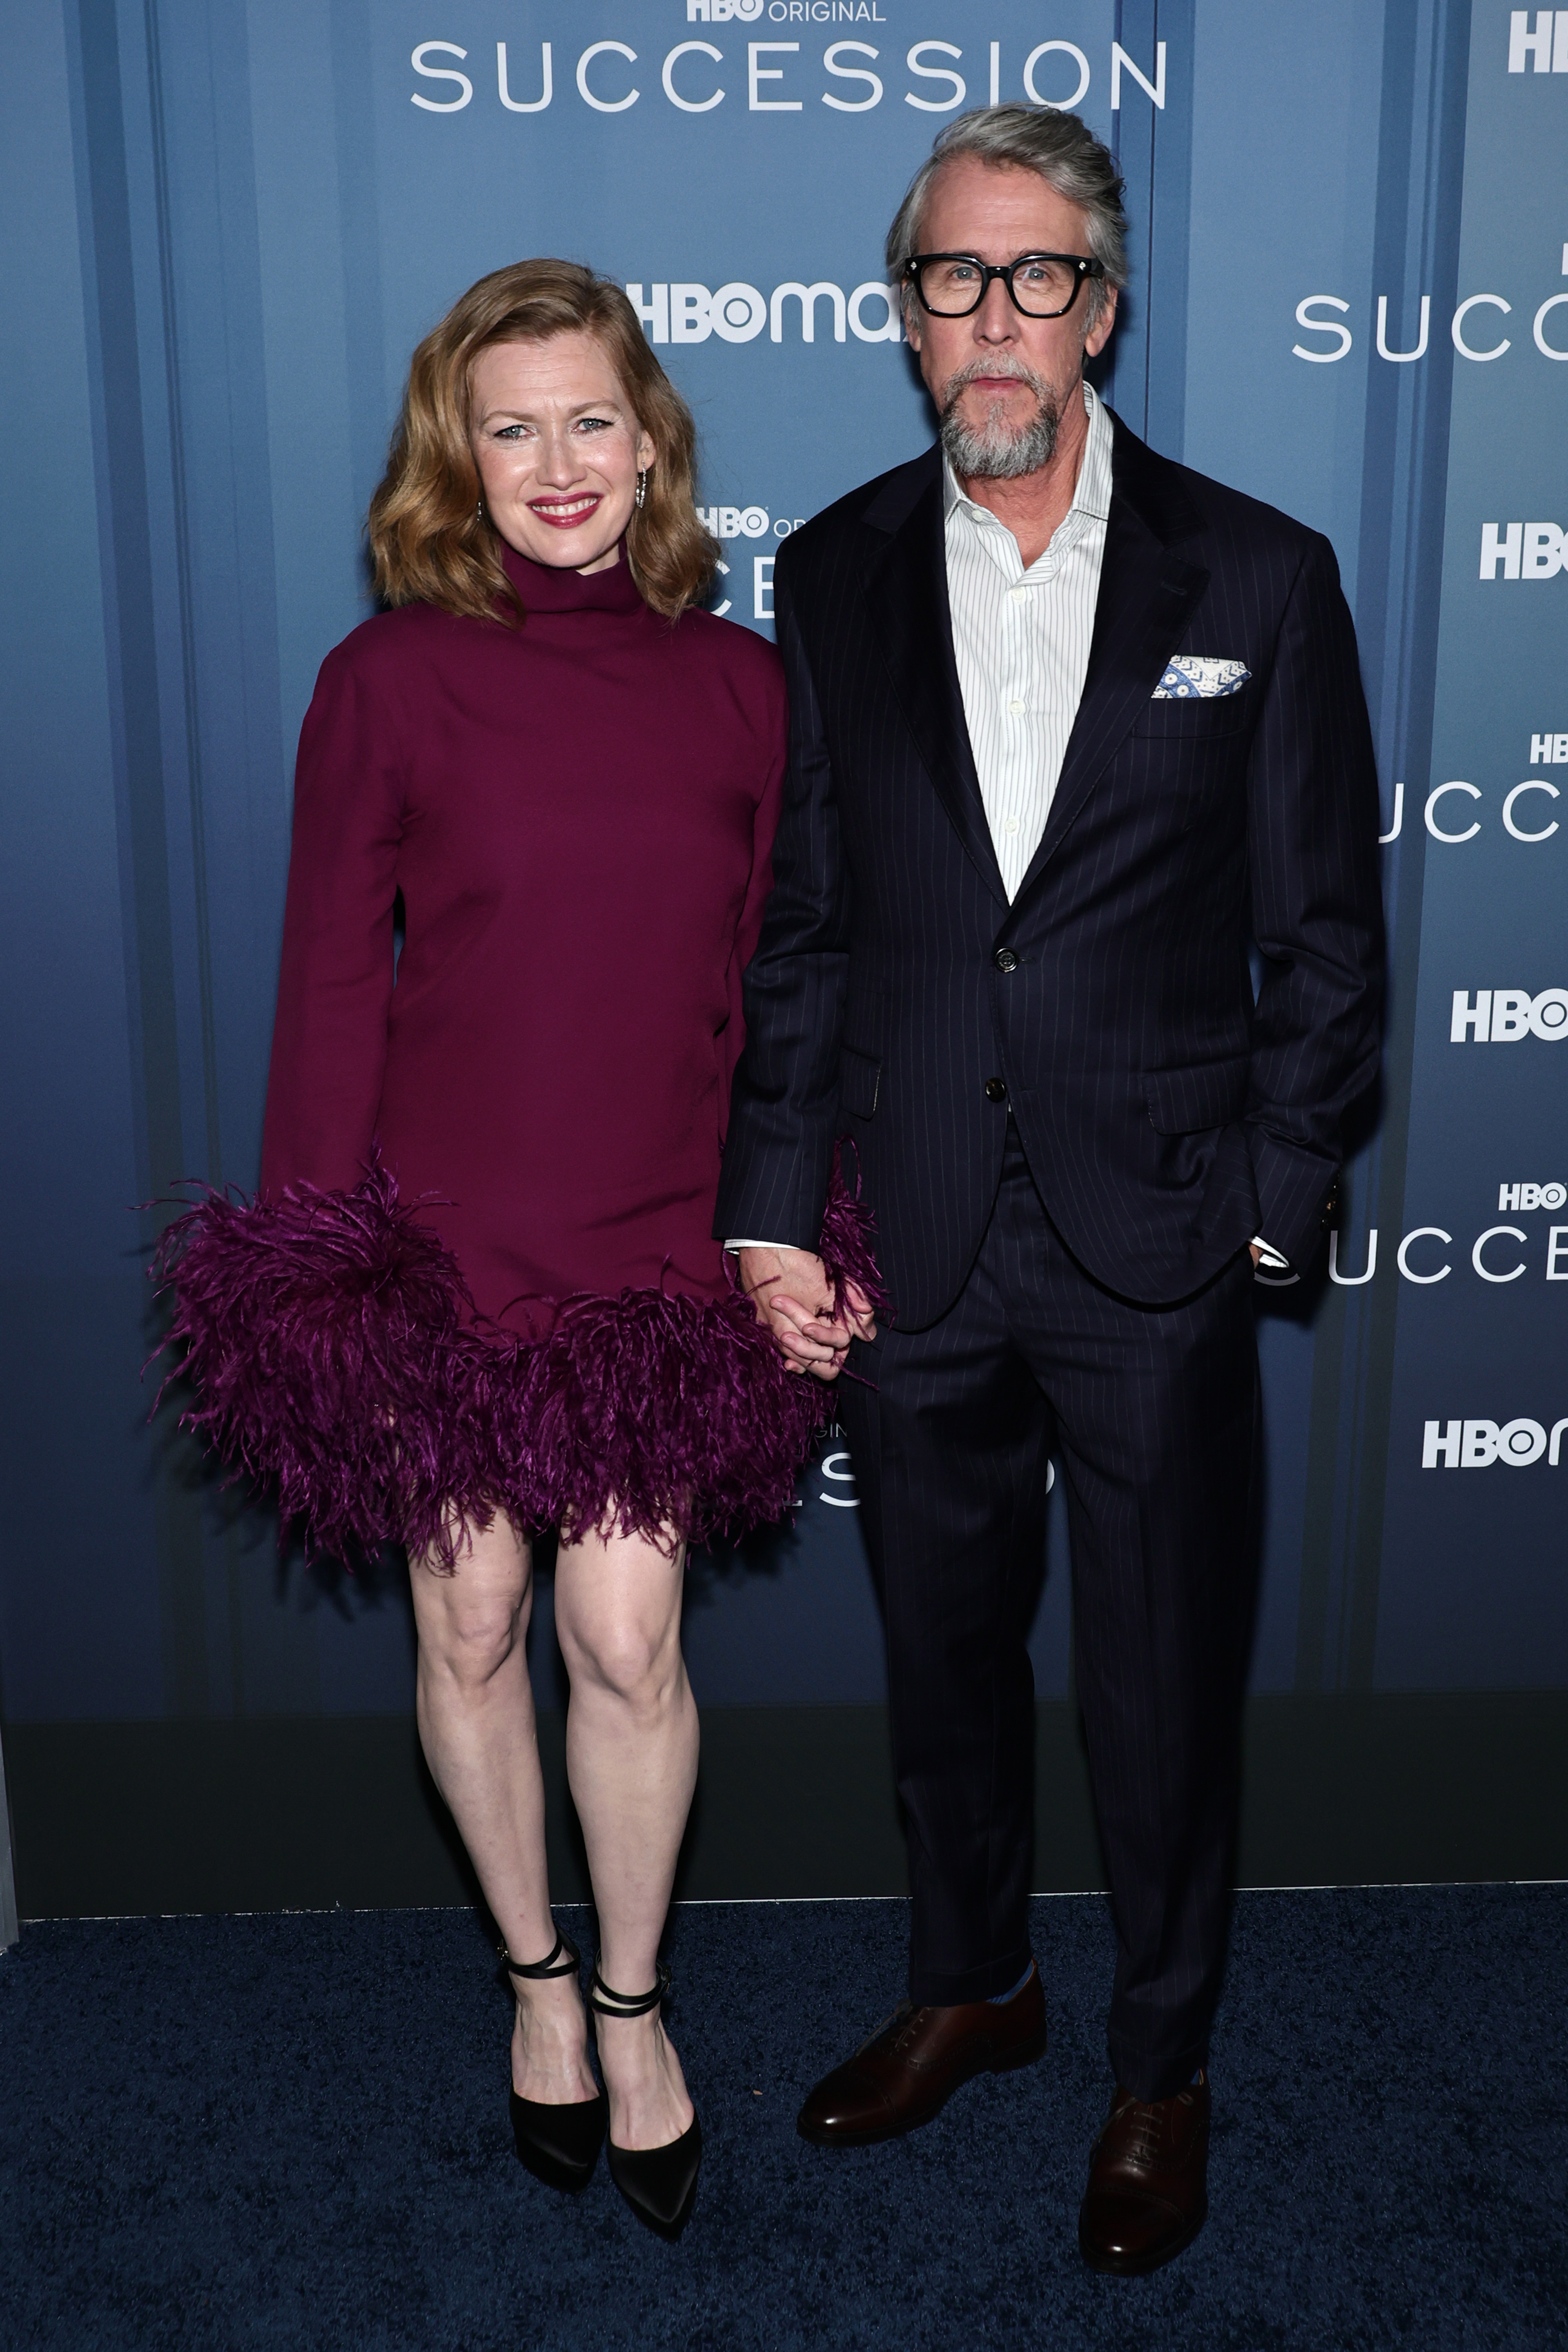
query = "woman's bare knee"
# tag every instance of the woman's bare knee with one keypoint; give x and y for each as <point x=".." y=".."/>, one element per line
<point x="626" y="1658"/>
<point x="473" y="1619"/>
<point x="474" y="1644"/>
<point x="618" y="1617"/>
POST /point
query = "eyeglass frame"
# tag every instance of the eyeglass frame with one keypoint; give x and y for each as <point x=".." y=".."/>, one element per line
<point x="1085" y="266"/>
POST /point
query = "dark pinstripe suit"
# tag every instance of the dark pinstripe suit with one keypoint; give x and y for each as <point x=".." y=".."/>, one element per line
<point x="1094" y="1293"/>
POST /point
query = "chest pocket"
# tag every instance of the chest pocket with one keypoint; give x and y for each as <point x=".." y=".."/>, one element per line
<point x="1194" y="719"/>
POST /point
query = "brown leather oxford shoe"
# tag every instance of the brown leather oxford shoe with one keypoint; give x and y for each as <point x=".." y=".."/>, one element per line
<point x="913" y="2063"/>
<point x="1148" y="2181"/>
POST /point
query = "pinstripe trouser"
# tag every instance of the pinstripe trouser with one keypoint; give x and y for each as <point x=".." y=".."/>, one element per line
<point x="1153" y="1416"/>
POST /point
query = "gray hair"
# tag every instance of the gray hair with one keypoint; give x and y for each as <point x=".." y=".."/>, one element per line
<point x="1064" y="153"/>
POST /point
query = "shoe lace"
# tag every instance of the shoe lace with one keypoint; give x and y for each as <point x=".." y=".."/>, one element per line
<point x="1144" y="2130"/>
<point x="896" y="2027"/>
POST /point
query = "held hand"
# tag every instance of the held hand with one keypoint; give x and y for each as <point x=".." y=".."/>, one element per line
<point x="792" y="1298"/>
<point x="1257" y="1254"/>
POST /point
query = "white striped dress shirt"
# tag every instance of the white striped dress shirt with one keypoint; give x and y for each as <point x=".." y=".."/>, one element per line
<point x="1021" y="641"/>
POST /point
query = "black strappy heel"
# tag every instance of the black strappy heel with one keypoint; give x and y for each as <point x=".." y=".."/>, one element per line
<point x="560" y="2145"/>
<point x="659" y="2184"/>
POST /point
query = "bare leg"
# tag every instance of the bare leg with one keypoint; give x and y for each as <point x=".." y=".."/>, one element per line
<point x="476" y="1721"/>
<point x="631" y="1759"/>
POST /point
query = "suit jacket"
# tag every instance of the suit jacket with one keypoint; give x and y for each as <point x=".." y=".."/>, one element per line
<point x="1166" y="1115"/>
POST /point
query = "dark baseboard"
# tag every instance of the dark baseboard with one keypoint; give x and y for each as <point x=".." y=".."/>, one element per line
<point x="306" y="1812"/>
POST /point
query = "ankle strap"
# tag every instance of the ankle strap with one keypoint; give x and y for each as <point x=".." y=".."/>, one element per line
<point x="551" y="1965"/>
<point x="607" y="2004"/>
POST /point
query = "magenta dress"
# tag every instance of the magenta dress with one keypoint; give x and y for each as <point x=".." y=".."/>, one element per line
<point x="480" y="1271"/>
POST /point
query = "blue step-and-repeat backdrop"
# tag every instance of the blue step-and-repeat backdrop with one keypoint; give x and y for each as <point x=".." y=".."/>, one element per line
<point x="229" y="222"/>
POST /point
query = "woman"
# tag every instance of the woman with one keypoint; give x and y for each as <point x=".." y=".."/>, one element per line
<point x="476" y="1295"/>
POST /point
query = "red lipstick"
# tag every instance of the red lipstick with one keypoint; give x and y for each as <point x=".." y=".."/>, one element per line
<point x="566" y="514"/>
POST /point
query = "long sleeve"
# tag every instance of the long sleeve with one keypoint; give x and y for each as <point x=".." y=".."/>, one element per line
<point x="335" y="994"/>
<point x="1316" y="908"/>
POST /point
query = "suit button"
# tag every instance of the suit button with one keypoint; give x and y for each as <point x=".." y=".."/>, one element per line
<point x="1004" y="960"/>
<point x="996" y="1089"/>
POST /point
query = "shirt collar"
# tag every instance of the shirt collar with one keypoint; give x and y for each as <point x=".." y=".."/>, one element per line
<point x="1093" y="494"/>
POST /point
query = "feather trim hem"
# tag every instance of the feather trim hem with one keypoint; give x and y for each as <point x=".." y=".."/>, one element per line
<point x="337" y="1362"/>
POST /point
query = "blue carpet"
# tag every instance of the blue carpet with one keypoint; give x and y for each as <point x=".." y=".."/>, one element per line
<point x="291" y="2130"/>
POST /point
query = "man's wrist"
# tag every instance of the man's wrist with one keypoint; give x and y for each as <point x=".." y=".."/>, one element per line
<point x="1269" y="1256"/>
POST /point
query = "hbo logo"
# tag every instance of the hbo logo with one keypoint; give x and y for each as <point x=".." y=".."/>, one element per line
<point x="734" y="522"/>
<point x="1531" y="1196"/>
<point x="1502" y="1016"/>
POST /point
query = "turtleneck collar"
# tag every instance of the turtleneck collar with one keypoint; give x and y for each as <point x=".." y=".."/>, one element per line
<point x="546" y="588"/>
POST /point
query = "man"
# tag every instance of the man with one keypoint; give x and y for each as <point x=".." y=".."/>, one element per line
<point x="1071" y="727"/>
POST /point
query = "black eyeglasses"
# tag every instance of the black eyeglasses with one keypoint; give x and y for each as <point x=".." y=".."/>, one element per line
<point x="1040" y="285"/>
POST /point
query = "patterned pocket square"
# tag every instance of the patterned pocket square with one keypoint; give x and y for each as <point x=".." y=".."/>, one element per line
<point x="1192" y="676"/>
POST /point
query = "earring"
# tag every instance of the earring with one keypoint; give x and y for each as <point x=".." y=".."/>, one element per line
<point x="642" y="483"/>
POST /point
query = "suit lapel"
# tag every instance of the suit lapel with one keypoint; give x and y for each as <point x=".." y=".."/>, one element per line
<point x="1147" y="594"/>
<point x="905" y="582"/>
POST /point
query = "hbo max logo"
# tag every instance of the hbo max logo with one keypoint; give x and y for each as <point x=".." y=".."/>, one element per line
<point x="722" y="12"/>
<point x="678" y="312"/>
<point x="1477" y="1444"/>
<point x="1502" y="1016"/>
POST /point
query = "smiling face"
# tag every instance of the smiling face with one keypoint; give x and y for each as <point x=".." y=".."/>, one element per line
<point x="1001" y="382"/>
<point x="558" y="447"/>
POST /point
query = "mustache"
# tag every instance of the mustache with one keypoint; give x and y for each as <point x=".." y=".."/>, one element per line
<point x="1015" y="371"/>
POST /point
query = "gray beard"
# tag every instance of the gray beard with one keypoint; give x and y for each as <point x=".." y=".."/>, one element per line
<point x="995" y="451"/>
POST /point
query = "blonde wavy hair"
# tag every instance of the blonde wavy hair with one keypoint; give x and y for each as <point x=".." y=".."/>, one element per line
<point x="428" y="541"/>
